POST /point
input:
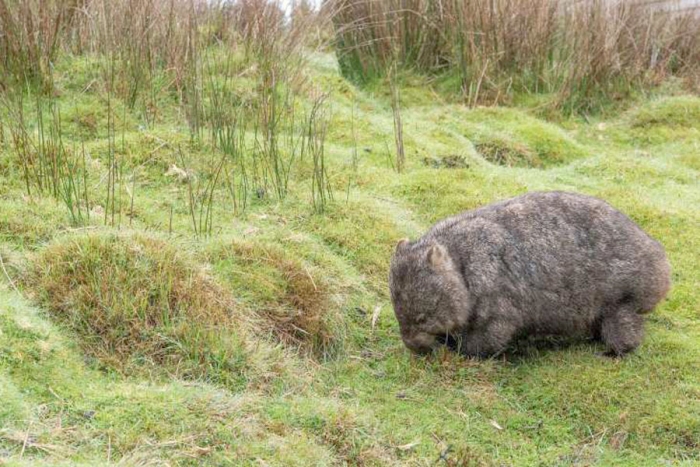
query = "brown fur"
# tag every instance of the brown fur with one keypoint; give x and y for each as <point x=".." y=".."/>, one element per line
<point x="539" y="264"/>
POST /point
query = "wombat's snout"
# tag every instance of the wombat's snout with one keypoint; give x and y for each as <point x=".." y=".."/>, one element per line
<point x="420" y="343"/>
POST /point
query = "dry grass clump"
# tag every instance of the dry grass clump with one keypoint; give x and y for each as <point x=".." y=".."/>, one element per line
<point x="292" y="298"/>
<point x="512" y="138"/>
<point x="137" y="300"/>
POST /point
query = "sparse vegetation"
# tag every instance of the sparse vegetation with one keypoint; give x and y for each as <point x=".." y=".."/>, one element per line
<point x="206" y="283"/>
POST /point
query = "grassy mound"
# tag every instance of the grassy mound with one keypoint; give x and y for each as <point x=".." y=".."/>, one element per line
<point x="435" y="194"/>
<point x="291" y="296"/>
<point x="139" y="422"/>
<point x="511" y="137"/>
<point x="365" y="233"/>
<point x="670" y="119"/>
<point x="507" y="153"/>
<point x="136" y="300"/>
<point x="682" y="111"/>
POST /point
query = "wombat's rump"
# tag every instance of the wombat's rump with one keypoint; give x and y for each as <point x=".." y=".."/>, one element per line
<point x="549" y="263"/>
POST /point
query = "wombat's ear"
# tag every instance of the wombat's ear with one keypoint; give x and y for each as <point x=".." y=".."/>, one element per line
<point x="438" y="257"/>
<point x="402" y="243"/>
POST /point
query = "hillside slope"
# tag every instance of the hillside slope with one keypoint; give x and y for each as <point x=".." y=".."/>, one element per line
<point x="272" y="341"/>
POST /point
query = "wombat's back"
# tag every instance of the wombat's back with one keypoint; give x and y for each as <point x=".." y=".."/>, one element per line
<point x="545" y="243"/>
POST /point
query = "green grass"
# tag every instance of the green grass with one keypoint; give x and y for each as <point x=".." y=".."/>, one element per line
<point x="510" y="137"/>
<point x="322" y="377"/>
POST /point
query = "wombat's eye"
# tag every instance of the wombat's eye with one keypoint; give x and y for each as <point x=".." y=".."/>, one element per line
<point x="419" y="318"/>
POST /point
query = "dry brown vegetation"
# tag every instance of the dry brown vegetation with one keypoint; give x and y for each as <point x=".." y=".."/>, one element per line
<point x="140" y="39"/>
<point x="584" y="52"/>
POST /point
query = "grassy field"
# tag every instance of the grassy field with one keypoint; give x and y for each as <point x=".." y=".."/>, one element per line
<point x="269" y="338"/>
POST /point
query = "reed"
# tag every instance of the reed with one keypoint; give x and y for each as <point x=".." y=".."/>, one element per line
<point x="201" y="193"/>
<point x="585" y="53"/>
<point x="48" y="166"/>
<point x="191" y="53"/>
<point x="317" y="128"/>
<point x="398" y="124"/>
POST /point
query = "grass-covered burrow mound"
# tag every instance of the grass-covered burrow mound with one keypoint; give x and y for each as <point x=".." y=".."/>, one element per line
<point x="673" y="111"/>
<point x="512" y="138"/>
<point x="137" y="301"/>
<point x="293" y="297"/>
<point x="664" y="120"/>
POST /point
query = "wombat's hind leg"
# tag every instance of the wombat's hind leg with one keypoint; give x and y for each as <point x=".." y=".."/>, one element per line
<point x="622" y="331"/>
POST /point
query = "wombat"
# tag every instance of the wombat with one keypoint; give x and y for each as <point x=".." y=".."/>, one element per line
<point x="541" y="264"/>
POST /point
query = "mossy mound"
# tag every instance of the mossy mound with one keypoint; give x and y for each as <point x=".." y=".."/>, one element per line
<point x="673" y="119"/>
<point x="675" y="111"/>
<point x="511" y="137"/>
<point x="136" y="300"/>
<point x="433" y="195"/>
<point x="291" y="296"/>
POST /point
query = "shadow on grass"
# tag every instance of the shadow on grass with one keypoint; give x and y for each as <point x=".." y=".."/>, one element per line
<point x="532" y="347"/>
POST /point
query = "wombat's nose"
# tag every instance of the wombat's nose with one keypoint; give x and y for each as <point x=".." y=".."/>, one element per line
<point x="420" y="344"/>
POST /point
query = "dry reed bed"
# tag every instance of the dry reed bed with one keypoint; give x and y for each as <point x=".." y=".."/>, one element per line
<point x="582" y="51"/>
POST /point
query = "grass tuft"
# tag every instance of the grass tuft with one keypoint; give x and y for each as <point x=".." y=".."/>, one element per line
<point x="292" y="297"/>
<point x="137" y="302"/>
